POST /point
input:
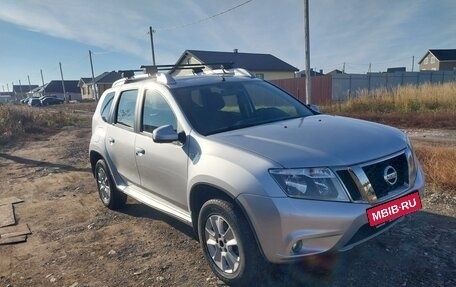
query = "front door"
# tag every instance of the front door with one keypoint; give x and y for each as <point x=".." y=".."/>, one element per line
<point x="162" y="166"/>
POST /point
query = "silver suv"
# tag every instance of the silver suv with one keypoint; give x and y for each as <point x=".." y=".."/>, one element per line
<point x="261" y="177"/>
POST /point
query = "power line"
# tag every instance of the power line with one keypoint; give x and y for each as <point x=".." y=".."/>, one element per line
<point x="204" y="19"/>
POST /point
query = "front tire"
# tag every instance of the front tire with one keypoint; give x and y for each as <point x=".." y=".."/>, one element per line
<point x="109" y="195"/>
<point x="229" y="245"/>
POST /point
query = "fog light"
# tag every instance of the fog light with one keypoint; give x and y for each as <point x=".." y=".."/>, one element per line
<point x="296" y="246"/>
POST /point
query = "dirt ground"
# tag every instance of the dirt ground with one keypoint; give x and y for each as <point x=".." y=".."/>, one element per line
<point x="75" y="241"/>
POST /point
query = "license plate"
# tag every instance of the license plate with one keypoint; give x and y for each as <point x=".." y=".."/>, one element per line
<point x="394" y="209"/>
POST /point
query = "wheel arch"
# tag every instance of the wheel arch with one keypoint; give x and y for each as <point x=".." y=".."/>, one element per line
<point x="202" y="192"/>
<point x="94" y="158"/>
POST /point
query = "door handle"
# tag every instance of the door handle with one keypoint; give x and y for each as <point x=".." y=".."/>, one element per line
<point x="111" y="140"/>
<point x="139" y="151"/>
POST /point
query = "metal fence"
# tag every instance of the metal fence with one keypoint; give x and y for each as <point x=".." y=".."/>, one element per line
<point x="345" y="86"/>
<point x="321" y="89"/>
<point x="339" y="87"/>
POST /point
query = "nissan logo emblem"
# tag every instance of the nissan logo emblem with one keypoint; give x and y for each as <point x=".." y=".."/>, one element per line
<point x="390" y="175"/>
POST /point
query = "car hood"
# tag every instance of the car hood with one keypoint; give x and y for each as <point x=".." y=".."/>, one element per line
<point x="315" y="141"/>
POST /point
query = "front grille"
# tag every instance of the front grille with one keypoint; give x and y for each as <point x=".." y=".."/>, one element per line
<point x="350" y="184"/>
<point x="375" y="174"/>
<point x="357" y="179"/>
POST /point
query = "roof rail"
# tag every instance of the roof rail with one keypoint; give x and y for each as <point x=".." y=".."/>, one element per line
<point x="165" y="78"/>
<point x="226" y="69"/>
<point x="152" y="70"/>
<point x="128" y="73"/>
<point x="243" y="72"/>
<point x="236" y="72"/>
<point x="128" y="76"/>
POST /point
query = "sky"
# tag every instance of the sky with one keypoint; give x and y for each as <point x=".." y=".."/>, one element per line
<point x="38" y="34"/>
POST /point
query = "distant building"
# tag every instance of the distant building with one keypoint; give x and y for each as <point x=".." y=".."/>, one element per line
<point x="395" y="70"/>
<point x="20" y="91"/>
<point x="264" y="66"/>
<point x="6" y="97"/>
<point x="102" y="83"/>
<point x="302" y="74"/>
<point x="438" y="60"/>
<point x="55" y="88"/>
<point x="335" y="72"/>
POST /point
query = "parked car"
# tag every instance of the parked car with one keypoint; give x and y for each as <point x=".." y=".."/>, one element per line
<point x="47" y="101"/>
<point x="259" y="176"/>
<point x="46" y="96"/>
<point x="34" y="102"/>
<point x="25" y="101"/>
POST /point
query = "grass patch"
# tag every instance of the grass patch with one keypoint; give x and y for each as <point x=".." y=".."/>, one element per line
<point x="17" y="122"/>
<point x="424" y="106"/>
<point x="439" y="164"/>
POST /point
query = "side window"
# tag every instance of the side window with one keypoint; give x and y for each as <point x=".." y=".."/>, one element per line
<point x="156" y="112"/>
<point x="106" y="106"/>
<point x="126" y="108"/>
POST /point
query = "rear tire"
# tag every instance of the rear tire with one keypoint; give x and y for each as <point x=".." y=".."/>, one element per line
<point x="229" y="245"/>
<point x="109" y="194"/>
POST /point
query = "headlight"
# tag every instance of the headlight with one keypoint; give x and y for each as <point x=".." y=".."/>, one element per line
<point x="411" y="162"/>
<point x="310" y="183"/>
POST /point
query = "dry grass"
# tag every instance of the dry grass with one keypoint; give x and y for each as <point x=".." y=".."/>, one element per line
<point x="439" y="164"/>
<point x="19" y="121"/>
<point x="424" y="106"/>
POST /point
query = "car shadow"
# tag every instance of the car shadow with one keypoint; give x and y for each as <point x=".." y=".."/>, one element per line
<point x="140" y="210"/>
<point x="42" y="164"/>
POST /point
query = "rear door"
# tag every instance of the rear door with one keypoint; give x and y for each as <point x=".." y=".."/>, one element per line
<point x="120" y="137"/>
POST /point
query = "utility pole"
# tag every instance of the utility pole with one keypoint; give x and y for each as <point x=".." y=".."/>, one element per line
<point x="42" y="78"/>
<point x="42" y="81"/>
<point x="20" y="87"/>
<point x="307" y="51"/>
<point x="63" y="84"/>
<point x="94" y="89"/>
<point x="370" y="66"/>
<point x="413" y="62"/>
<point x="30" y="86"/>
<point x="343" y="69"/>
<point x="151" y="32"/>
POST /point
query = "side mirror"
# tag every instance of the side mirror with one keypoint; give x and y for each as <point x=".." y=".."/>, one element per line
<point x="165" y="134"/>
<point x="314" y="108"/>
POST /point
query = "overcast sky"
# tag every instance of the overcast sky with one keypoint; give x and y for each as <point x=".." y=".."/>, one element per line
<point x="38" y="34"/>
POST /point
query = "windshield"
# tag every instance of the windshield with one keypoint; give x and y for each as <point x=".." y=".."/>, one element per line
<point x="228" y="106"/>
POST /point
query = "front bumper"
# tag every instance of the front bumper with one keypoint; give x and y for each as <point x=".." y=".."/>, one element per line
<point x="322" y="226"/>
